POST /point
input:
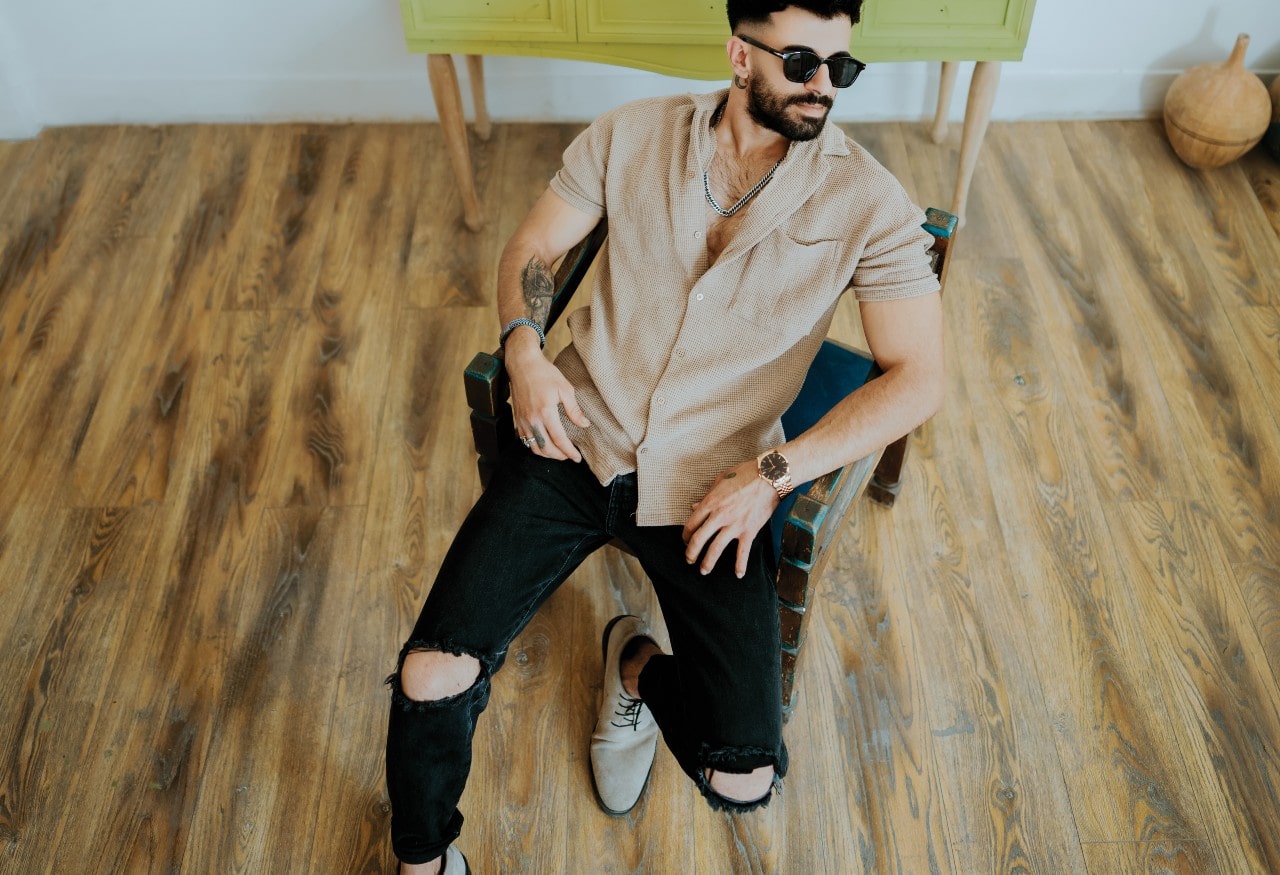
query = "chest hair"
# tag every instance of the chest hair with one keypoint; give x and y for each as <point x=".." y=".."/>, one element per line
<point x="730" y="179"/>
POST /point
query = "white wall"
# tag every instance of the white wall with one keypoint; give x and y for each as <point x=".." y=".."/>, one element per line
<point x="152" y="61"/>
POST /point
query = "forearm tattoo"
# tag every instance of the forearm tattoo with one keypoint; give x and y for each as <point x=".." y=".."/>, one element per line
<point x="539" y="287"/>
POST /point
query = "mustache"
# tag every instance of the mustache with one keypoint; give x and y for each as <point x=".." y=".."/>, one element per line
<point x="815" y="100"/>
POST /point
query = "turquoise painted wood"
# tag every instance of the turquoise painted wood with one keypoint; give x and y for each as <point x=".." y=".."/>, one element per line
<point x="686" y="37"/>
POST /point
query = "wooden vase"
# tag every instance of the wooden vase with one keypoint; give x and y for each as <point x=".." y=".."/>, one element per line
<point x="1214" y="113"/>
<point x="1273" y="132"/>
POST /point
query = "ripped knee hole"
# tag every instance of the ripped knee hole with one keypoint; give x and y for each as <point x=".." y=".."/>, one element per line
<point x="430" y="675"/>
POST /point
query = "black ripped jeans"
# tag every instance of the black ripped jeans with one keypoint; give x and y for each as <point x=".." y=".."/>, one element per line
<point x="717" y="699"/>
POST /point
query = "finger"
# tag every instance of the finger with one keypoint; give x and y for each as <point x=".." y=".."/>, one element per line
<point x="557" y="438"/>
<point x="697" y="517"/>
<point x="700" y="538"/>
<point x="717" y="547"/>
<point x="744" y="553"/>
<point x="574" y="412"/>
<point x="543" y="447"/>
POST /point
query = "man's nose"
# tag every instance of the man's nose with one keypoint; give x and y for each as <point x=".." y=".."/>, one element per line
<point x="821" y="82"/>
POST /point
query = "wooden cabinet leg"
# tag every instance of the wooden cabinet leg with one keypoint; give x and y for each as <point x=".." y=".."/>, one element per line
<point x="444" y="88"/>
<point x="977" y="113"/>
<point x="886" y="482"/>
<point x="475" y="69"/>
<point x="946" y="87"/>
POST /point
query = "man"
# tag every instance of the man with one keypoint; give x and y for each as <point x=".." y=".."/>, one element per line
<point x="737" y="219"/>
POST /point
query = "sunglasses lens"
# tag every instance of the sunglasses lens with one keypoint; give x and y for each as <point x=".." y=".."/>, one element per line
<point x="800" y="66"/>
<point x="843" y="71"/>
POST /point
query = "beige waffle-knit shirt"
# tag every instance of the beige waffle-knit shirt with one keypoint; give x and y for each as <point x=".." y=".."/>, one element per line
<point x="684" y="367"/>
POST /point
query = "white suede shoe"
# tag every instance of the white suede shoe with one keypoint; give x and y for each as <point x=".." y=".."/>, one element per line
<point x="454" y="862"/>
<point x="626" y="736"/>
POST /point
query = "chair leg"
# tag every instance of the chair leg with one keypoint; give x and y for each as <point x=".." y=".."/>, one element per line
<point x="887" y="480"/>
<point x="946" y="86"/>
<point x="475" y="70"/>
<point x="977" y="113"/>
<point x="444" y="88"/>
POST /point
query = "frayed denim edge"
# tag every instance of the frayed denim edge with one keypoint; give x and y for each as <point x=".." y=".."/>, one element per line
<point x="726" y="760"/>
<point x="400" y="700"/>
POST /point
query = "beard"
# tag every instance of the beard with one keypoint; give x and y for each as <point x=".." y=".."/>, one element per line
<point x="769" y="109"/>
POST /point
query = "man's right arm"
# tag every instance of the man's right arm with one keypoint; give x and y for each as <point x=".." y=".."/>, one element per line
<point x="525" y="287"/>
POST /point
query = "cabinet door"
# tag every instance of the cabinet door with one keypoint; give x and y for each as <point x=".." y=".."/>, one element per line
<point x="652" y="21"/>
<point x="944" y="29"/>
<point x="489" y="20"/>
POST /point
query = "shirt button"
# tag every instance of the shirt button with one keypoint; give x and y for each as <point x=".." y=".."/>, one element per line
<point x="697" y="235"/>
<point x="661" y="400"/>
<point x="699" y="296"/>
<point x="644" y="450"/>
<point x="680" y="353"/>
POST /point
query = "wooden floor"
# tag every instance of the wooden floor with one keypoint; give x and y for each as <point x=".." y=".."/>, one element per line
<point x="233" y="450"/>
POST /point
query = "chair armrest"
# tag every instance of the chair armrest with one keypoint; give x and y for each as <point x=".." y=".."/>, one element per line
<point x="485" y="378"/>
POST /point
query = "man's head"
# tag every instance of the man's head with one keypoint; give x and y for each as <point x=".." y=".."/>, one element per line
<point x="792" y="94"/>
<point x="758" y="11"/>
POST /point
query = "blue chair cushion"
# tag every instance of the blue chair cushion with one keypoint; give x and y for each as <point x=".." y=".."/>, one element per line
<point x="836" y="372"/>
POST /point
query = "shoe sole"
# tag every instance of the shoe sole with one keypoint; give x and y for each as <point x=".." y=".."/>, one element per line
<point x="604" y="656"/>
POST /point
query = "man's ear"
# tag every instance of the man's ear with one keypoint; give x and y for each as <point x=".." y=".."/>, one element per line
<point x="738" y="51"/>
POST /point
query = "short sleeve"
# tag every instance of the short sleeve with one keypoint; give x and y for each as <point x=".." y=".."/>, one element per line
<point x="895" y="263"/>
<point x="581" y="178"/>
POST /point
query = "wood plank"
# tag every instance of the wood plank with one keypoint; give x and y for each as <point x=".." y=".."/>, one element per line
<point x="987" y="716"/>
<point x="460" y="269"/>
<point x="280" y="258"/>
<point x="335" y="408"/>
<point x="1092" y="659"/>
<point x="1231" y="220"/>
<point x="127" y="443"/>
<point x="1223" y="699"/>
<point x="1145" y="858"/>
<point x="265" y="763"/>
<point x="15" y="161"/>
<point x="1075" y="600"/>
<point x="1076" y="268"/>
<point x="178" y="644"/>
<point x="872" y="776"/>
<point x="1219" y="414"/>
<point x="70" y="623"/>
<point x="424" y="482"/>
<point x="1263" y="173"/>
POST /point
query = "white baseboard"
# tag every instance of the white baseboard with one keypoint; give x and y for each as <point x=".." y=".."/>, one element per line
<point x="524" y="90"/>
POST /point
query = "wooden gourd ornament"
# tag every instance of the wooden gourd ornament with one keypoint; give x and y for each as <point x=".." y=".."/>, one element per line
<point x="1214" y="113"/>
<point x="1273" y="132"/>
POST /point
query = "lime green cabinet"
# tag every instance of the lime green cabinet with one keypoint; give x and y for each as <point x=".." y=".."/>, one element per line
<point x="686" y="38"/>
<point x="502" y="21"/>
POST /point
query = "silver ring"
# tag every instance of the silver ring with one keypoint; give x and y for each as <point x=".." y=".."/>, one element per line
<point x="527" y="441"/>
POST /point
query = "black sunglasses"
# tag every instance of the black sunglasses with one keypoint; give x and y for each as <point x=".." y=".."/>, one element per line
<point x="802" y="65"/>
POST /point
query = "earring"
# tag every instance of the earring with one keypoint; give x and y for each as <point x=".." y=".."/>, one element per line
<point x="739" y="84"/>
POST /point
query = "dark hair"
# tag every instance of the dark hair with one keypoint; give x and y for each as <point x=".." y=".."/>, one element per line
<point x="758" y="12"/>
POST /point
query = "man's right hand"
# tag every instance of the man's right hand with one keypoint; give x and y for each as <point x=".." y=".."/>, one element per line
<point x="538" y="390"/>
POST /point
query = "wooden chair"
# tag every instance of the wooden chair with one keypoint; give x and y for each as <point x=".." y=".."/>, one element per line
<point x="807" y="521"/>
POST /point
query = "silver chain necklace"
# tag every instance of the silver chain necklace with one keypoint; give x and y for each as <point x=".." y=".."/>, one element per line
<point x="742" y="201"/>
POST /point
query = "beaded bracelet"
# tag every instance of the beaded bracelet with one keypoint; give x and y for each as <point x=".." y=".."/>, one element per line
<point x="516" y="323"/>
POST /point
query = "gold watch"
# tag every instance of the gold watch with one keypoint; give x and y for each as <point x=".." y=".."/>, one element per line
<point x="774" y="469"/>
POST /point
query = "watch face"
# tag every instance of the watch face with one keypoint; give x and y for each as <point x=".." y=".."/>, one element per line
<point x="774" y="466"/>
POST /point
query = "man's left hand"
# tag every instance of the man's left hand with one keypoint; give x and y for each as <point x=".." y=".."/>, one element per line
<point x="736" y="507"/>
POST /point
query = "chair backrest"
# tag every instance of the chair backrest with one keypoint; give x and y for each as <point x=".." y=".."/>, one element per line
<point x="807" y="521"/>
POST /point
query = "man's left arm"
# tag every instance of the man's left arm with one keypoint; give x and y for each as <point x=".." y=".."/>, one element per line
<point x="905" y="337"/>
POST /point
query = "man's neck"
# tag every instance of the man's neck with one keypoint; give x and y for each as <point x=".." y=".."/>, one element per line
<point x="741" y="137"/>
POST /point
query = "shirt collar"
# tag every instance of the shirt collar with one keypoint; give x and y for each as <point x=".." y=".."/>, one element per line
<point x="831" y="141"/>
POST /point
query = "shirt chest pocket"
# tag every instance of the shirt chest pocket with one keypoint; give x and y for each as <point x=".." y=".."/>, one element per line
<point x="787" y="284"/>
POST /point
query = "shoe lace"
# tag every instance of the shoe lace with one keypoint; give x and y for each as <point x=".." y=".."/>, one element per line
<point x="628" y="712"/>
